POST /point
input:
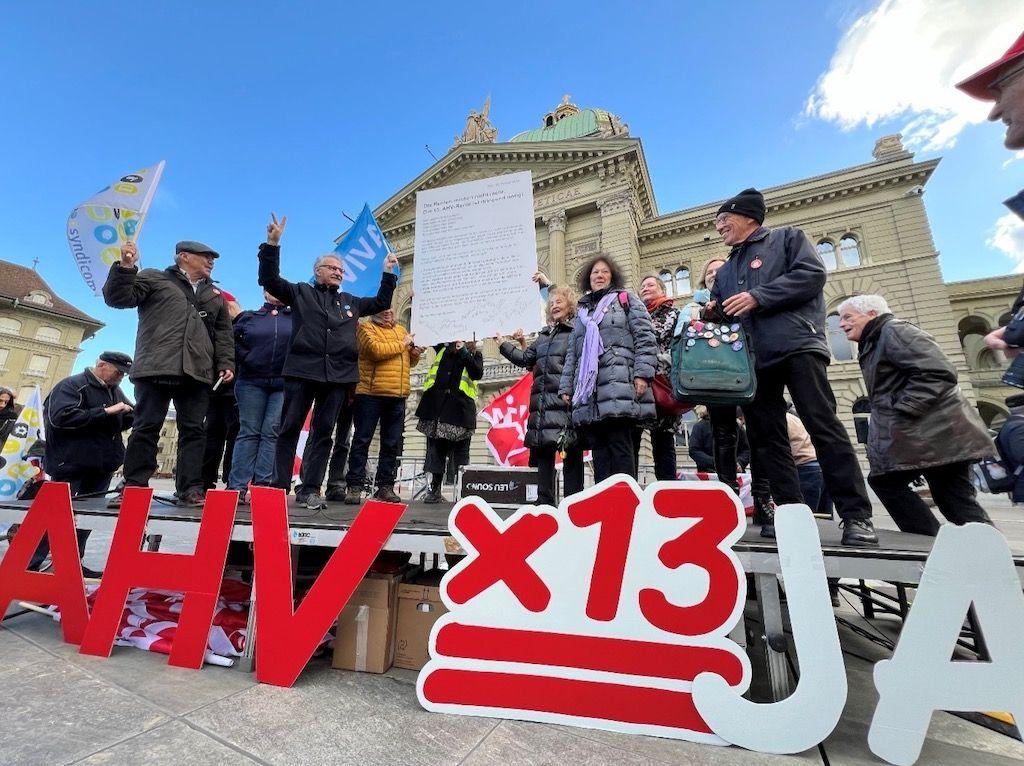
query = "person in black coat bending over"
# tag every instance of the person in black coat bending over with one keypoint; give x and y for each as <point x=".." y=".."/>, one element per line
<point x="321" y="369"/>
<point x="773" y="282"/>
<point x="85" y="416"/>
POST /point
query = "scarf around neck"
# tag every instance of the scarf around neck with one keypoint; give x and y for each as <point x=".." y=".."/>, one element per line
<point x="593" y="347"/>
<point x="657" y="303"/>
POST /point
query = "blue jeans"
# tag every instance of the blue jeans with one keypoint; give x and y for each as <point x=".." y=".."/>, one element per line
<point x="259" y="415"/>
<point x="367" y="411"/>
<point x="810" y="483"/>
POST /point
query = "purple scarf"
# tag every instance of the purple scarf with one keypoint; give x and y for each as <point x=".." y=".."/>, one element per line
<point x="593" y="347"/>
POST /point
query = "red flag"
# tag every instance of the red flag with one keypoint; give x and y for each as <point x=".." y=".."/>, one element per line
<point x="507" y="415"/>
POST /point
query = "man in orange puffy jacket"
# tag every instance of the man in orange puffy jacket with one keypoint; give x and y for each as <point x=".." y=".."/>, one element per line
<point x="387" y="354"/>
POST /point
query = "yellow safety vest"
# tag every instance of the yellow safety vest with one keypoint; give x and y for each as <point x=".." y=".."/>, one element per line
<point x="466" y="385"/>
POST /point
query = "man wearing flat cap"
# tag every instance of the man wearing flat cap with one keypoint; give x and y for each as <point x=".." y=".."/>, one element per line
<point x="772" y="283"/>
<point x="85" y="416"/>
<point x="183" y="347"/>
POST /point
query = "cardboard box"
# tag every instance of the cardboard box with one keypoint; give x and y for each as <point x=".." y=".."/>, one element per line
<point x="419" y="606"/>
<point x="365" y="638"/>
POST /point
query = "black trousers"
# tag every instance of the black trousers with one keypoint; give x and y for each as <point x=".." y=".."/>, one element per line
<point x="221" y="430"/>
<point x="84" y="484"/>
<point x="152" y="399"/>
<point x="611" y="443"/>
<point x="663" y="449"/>
<point x="326" y="400"/>
<point x="342" y="442"/>
<point x="572" y="473"/>
<point x="725" y="437"/>
<point x="369" y="411"/>
<point x="444" y="458"/>
<point x="806" y="377"/>
<point x="952" y="491"/>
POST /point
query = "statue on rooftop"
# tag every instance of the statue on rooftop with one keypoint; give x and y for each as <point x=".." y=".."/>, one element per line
<point x="478" y="127"/>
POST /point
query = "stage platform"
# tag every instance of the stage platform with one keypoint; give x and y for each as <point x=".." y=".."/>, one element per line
<point x="423" y="531"/>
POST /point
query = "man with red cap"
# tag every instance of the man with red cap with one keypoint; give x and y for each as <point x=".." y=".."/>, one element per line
<point x="1002" y="81"/>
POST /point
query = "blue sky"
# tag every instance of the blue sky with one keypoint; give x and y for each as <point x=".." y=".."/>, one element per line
<point x="309" y="109"/>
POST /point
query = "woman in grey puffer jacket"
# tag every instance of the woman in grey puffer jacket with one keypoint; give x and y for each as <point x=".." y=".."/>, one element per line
<point x="610" y="362"/>
<point x="549" y="429"/>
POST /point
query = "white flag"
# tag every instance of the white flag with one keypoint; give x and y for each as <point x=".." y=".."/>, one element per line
<point x="17" y="468"/>
<point x="99" y="226"/>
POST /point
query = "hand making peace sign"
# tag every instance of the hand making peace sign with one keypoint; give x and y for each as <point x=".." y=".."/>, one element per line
<point x="275" y="229"/>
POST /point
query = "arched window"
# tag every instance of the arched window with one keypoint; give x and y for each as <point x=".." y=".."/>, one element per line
<point x="849" y="250"/>
<point x="683" y="281"/>
<point x="842" y="349"/>
<point x="48" y="334"/>
<point x="862" y="419"/>
<point x="10" y="326"/>
<point x="827" y="252"/>
<point x="666" y="281"/>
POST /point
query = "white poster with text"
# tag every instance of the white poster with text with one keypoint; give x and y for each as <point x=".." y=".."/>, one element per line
<point x="476" y="250"/>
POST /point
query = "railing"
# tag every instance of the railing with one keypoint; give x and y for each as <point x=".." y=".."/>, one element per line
<point x="502" y="371"/>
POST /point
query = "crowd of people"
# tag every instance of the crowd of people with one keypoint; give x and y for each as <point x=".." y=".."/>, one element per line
<point x="243" y="382"/>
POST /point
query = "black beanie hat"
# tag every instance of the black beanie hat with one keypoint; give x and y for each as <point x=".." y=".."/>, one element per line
<point x="749" y="202"/>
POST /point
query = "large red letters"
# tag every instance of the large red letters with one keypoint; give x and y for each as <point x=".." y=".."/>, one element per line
<point x="288" y="636"/>
<point x="198" y="575"/>
<point x="49" y="514"/>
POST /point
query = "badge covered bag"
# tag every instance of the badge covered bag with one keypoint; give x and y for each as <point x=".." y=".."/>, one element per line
<point x="712" y="363"/>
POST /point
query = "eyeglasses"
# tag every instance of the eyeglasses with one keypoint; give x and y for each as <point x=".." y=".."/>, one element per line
<point x="339" y="269"/>
<point x="1002" y="80"/>
<point x="722" y="218"/>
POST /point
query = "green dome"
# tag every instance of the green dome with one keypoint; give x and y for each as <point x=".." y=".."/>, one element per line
<point x="581" y="124"/>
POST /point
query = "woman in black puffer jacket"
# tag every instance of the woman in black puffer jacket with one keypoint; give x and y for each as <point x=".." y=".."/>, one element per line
<point x="549" y="425"/>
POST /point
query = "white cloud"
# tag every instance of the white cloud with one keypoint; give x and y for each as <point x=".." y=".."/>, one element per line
<point x="1008" y="237"/>
<point x="902" y="59"/>
<point x="1016" y="156"/>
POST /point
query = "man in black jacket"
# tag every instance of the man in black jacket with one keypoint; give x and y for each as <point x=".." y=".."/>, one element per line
<point x="85" y="416"/>
<point x="773" y="282"/>
<point x="321" y="369"/>
<point x="183" y="346"/>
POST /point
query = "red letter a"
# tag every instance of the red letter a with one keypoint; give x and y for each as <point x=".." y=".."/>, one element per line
<point x="49" y="514"/>
<point x="287" y="637"/>
<point x="199" y="575"/>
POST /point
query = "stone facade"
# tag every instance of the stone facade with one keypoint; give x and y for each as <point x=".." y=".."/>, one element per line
<point x="40" y="333"/>
<point x="869" y="221"/>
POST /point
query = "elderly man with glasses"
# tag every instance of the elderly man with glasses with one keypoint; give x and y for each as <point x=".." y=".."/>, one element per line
<point x="321" y="368"/>
<point x="1002" y="82"/>
<point x="772" y="283"/>
<point x="183" y="346"/>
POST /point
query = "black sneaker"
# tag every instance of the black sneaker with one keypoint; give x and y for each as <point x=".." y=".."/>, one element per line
<point x="858" y="532"/>
<point x="433" y="497"/>
<point x="335" y="494"/>
<point x="387" y="495"/>
<point x="91" y="574"/>
<point x="192" y="498"/>
<point x="353" y="495"/>
<point x="312" y="501"/>
<point x="116" y="500"/>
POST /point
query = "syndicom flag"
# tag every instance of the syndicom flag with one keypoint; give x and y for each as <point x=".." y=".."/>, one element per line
<point x="16" y="465"/>
<point x="99" y="226"/>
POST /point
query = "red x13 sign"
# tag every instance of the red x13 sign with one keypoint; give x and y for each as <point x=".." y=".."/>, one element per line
<point x="599" y="613"/>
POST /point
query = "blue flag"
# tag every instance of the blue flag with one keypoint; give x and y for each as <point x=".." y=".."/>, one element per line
<point x="362" y="252"/>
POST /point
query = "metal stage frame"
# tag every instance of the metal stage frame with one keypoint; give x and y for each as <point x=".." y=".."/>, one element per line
<point x="423" y="531"/>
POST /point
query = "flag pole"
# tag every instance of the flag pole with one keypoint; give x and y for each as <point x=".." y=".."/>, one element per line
<point x="150" y="193"/>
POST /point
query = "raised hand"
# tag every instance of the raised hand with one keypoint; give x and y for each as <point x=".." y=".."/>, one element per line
<point x="390" y="262"/>
<point x="520" y="337"/>
<point x="129" y="254"/>
<point x="275" y="229"/>
<point x="541" y="278"/>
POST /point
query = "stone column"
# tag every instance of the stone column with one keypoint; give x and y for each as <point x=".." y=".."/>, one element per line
<point x="556" y="246"/>
<point x="619" y="233"/>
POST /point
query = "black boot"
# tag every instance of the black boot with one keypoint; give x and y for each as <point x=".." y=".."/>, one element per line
<point x="764" y="514"/>
<point x="434" y="495"/>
